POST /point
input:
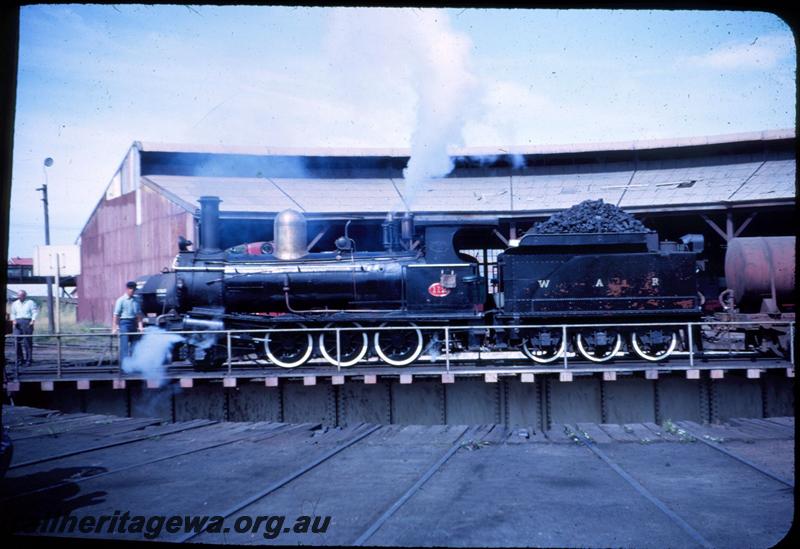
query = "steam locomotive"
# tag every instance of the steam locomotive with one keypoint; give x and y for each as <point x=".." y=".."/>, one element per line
<point x="420" y="279"/>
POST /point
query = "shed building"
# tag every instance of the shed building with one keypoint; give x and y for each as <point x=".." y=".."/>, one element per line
<point x="720" y="186"/>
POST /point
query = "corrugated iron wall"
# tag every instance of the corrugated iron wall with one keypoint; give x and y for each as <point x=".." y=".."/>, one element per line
<point x="114" y="249"/>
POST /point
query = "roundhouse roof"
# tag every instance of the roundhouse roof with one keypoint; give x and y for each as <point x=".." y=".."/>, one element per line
<point x="683" y="174"/>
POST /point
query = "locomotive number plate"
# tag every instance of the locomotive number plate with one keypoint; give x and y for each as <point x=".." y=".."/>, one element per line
<point x="437" y="290"/>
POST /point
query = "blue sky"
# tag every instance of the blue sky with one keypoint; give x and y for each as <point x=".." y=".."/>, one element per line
<point x="93" y="79"/>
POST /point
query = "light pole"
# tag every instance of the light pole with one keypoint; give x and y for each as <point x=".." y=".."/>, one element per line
<point x="50" y="316"/>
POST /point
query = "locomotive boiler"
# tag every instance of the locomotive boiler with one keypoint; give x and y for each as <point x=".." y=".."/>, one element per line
<point x="322" y="301"/>
<point x="396" y="288"/>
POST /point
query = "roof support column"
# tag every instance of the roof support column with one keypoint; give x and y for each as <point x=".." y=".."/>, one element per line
<point x="730" y="231"/>
<point x="714" y="226"/>
<point x="728" y="225"/>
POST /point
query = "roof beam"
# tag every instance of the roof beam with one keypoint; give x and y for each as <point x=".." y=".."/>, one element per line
<point x="502" y="238"/>
<point x="744" y="225"/>
<point x="317" y="238"/>
<point x="714" y="226"/>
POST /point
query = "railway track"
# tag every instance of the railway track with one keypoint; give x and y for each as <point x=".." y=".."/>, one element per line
<point x="435" y="472"/>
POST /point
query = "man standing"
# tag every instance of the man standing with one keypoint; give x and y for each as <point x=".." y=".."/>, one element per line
<point x="127" y="319"/>
<point x="23" y="314"/>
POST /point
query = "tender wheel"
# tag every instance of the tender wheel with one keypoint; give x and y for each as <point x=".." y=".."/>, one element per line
<point x="544" y="346"/>
<point x="398" y="347"/>
<point x="654" y="345"/>
<point x="599" y="346"/>
<point x="288" y="349"/>
<point x="353" y="345"/>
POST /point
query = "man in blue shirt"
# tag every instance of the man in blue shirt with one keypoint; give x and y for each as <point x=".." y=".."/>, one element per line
<point x="23" y="315"/>
<point x="127" y="319"/>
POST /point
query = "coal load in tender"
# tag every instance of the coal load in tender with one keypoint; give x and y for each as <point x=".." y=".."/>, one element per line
<point x="590" y="216"/>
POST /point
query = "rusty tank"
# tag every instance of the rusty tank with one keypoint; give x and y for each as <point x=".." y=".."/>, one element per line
<point x="758" y="268"/>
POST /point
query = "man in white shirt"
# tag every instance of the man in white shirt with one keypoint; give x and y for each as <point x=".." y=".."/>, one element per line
<point x="126" y="319"/>
<point x="23" y="314"/>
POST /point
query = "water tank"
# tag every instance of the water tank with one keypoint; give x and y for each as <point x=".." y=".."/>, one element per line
<point x="290" y="235"/>
<point x="754" y="265"/>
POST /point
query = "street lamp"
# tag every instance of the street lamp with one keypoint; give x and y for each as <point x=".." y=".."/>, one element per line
<point x="50" y="316"/>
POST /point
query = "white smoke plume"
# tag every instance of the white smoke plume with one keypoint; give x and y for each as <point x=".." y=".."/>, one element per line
<point x="151" y="354"/>
<point x="421" y="47"/>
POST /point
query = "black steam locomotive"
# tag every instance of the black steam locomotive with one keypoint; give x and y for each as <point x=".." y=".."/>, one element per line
<point x="420" y="279"/>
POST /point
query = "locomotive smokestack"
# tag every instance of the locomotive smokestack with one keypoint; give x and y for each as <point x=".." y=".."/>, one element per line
<point x="209" y="223"/>
<point x="290" y="235"/>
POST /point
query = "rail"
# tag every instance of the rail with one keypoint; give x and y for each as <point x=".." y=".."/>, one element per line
<point x="83" y="349"/>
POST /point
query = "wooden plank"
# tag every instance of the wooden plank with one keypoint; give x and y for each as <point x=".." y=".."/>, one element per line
<point x="642" y="433"/>
<point x="777" y="427"/>
<point x="497" y="435"/>
<point x="788" y="421"/>
<point x="59" y="425"/>
<point x="617" y="433"/>
<point x="755" y="430"/>
<point x="557" y="434"/>
<point x="594" y="432"/>
<point x="714" y="434"/>
<point x="24" y="411"/>
<point x="661" y="432"/>
<point x="514" y="436"/>
<point x="54" y="419"/>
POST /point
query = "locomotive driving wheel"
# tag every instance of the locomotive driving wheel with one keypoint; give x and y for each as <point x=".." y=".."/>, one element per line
<point x="654" y="344"/>
<point x="288" y="349"/>
<point x="353" y="344"/>
<point x="543" y="345"/>
<point x="398" y="347"/>
<point x="598" y="345"/>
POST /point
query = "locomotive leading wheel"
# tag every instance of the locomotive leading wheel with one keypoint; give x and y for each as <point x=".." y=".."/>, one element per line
<point x="288" y="349"/>
<point x="599" y="346"/>
<point x="654" y="345"/>
<point x="352" y="345"/>
<point x="542" y="348"/>
<point x="398" y="347"/>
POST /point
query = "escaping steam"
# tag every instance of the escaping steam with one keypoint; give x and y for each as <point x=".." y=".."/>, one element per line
<point x="445" y="87"/>
<point x="421" y="46"/>
<point x="151" y="354"/>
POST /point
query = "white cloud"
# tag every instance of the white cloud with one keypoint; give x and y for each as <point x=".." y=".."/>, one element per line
<point x="763" y="53"/>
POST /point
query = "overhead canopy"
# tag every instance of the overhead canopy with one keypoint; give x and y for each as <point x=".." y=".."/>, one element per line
<point x="655" y="185"/>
